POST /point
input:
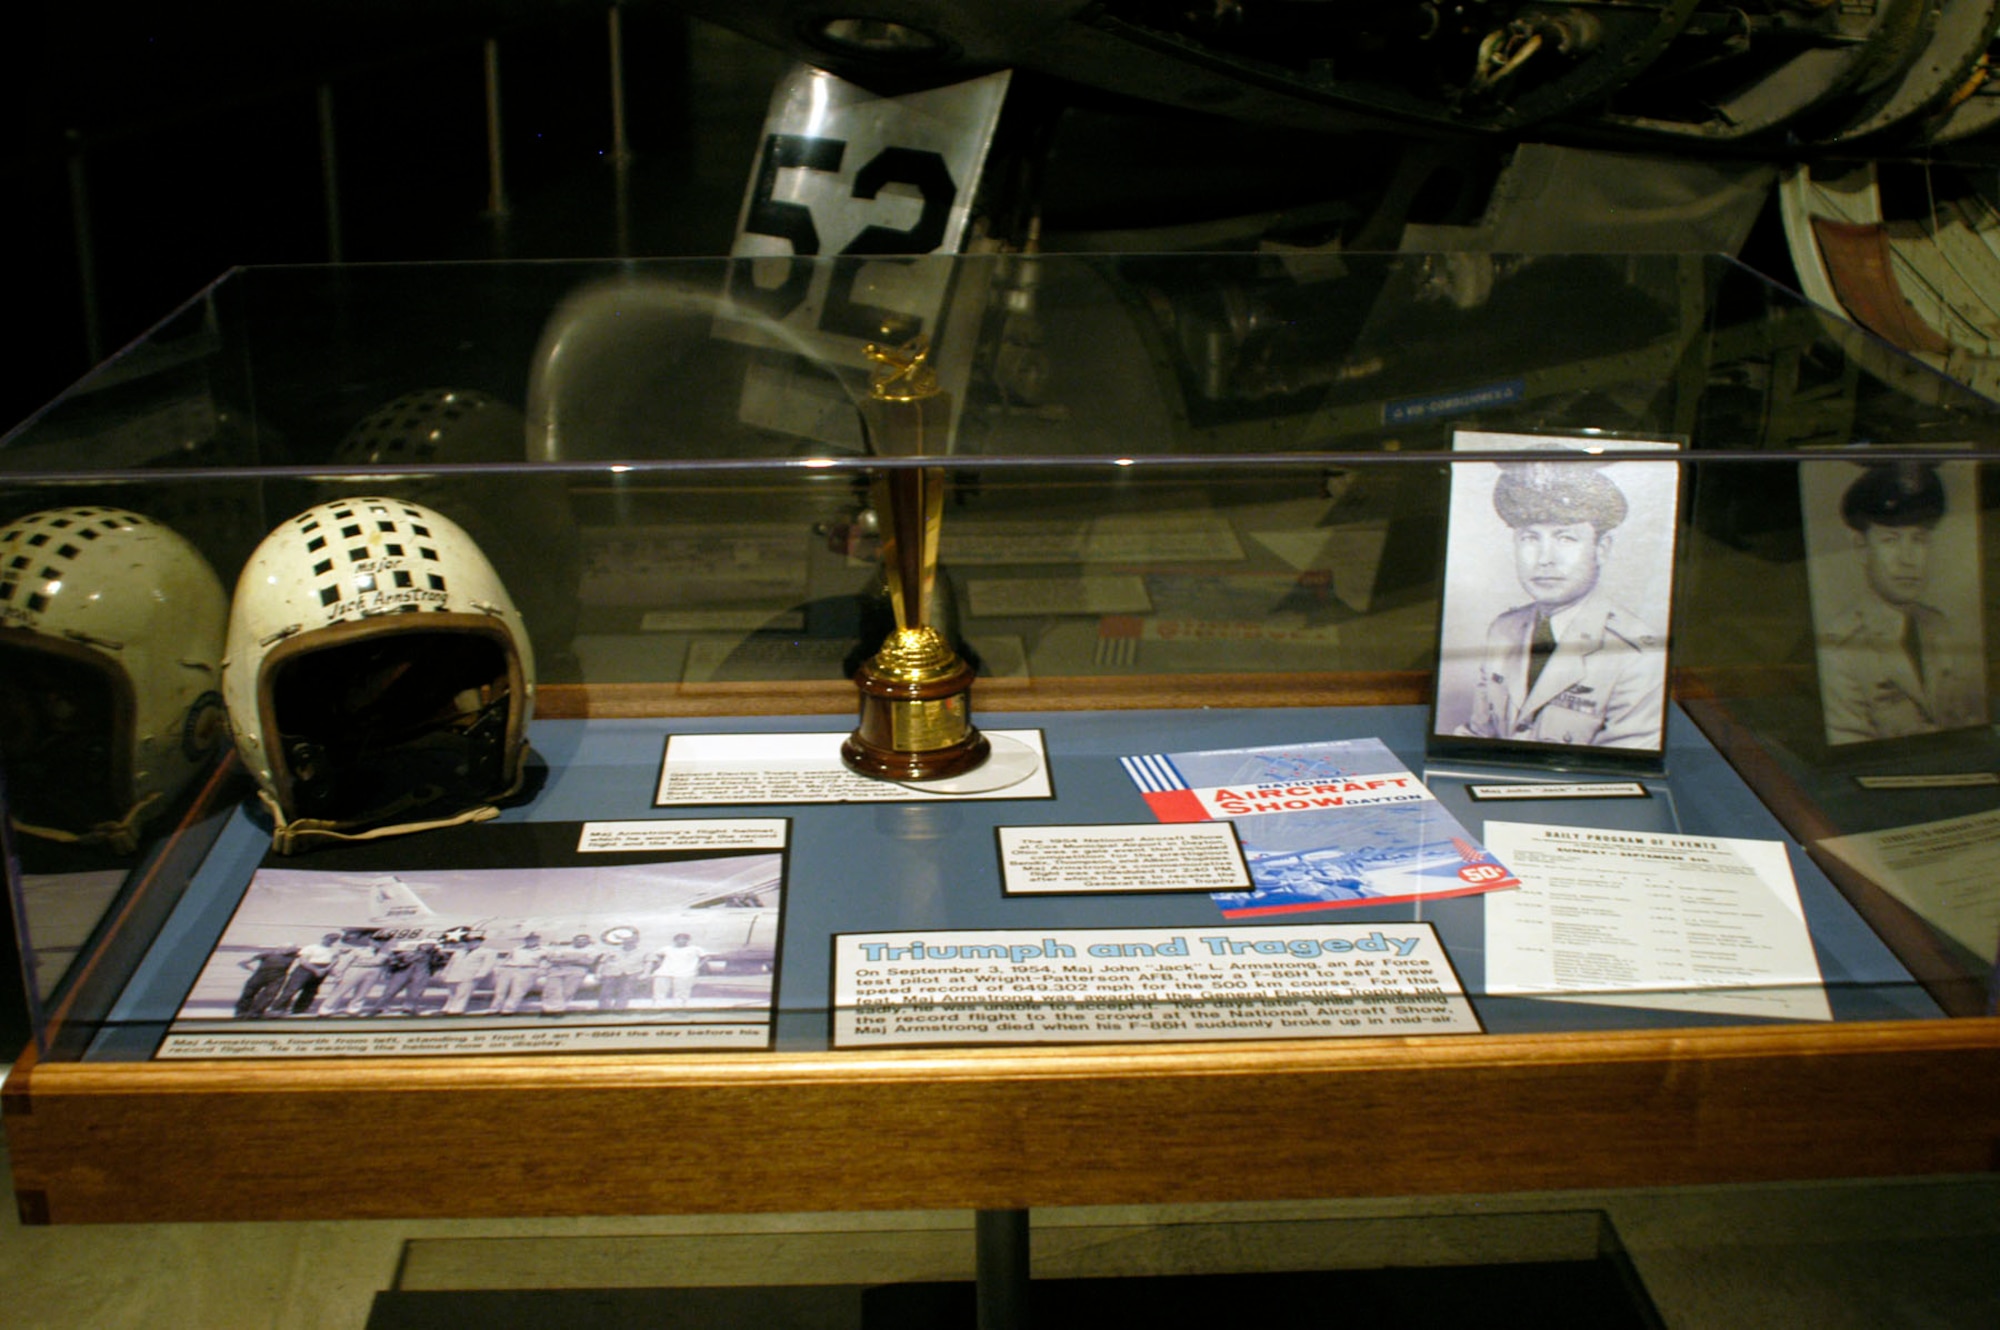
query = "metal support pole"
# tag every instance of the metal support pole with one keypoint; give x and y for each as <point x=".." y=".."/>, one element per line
<point x="496" y="180"/>
<point x="86" y="251"/>
<point x="621" y="147"/>
<point x="1002" y="1268"/>
<point x="329" y="174"/>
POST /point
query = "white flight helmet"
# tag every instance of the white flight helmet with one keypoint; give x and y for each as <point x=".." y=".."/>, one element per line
<point x="441" y="425"/>
<point x="522" y="524"/>
<point x="111" y="630"/>
<point x="378" y="677"/>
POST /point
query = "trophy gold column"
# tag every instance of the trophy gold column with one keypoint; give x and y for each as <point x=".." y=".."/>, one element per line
<point x="916" y="715"/>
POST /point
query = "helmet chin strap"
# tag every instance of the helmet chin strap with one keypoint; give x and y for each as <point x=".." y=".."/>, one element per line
<point x="290" y="837"/>
<point x="122" y="836"/>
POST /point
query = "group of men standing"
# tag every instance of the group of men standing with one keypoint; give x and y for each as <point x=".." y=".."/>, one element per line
<point x="384" y="974"/>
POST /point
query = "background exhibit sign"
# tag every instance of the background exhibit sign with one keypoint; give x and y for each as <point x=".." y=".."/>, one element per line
<point x="1943" y="870"/>
<point x="1034" y="986"/>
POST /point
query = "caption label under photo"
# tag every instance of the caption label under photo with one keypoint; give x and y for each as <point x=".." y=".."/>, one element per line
<point x="657" y="834"/>
<point x="1021" y="986"/>
<point x="704" y="1036"/>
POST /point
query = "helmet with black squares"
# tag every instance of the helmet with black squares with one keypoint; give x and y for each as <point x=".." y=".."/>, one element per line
<point x="378" y="676"/>
<point x="111" y="632"/>
<point x="441" y="425"/>
<point x="521" y="523"/>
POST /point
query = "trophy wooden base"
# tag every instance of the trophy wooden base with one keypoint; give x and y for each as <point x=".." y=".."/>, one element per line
<point x="915" y="731"/>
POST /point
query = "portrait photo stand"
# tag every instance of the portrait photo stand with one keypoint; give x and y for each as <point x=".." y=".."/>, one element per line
<point x="1893" y="570"/>
<point x="1558" y="590"/>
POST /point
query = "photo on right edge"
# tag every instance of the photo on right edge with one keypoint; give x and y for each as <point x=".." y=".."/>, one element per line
<point x="1893" y="568"/>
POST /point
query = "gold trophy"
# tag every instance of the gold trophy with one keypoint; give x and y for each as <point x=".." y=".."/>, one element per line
<point x="916" y="717"/>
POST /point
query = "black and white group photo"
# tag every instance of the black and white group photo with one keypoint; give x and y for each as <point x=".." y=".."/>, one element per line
<point x="690" y="938"/>
<point x="1558" y="584"/>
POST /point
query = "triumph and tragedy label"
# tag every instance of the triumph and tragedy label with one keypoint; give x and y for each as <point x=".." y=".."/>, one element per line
<point x="1033" y="986"/>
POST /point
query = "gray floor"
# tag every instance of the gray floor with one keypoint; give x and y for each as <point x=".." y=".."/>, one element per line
<point x="1871" y="1256"/>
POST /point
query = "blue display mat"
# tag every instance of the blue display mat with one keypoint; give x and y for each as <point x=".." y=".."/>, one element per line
<point x="933" y="866"/>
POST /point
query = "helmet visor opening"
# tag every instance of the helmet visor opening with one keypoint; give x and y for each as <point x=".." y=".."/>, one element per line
<point x="65" y="718"/>
<point x="394" y="725"/>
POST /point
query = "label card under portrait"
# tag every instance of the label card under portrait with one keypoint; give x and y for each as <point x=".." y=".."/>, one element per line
<point x="1520" y="791"/>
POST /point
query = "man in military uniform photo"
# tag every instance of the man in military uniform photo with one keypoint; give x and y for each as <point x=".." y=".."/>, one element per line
<point x="1892" y="663"/>
<point x="1571" y="666"/>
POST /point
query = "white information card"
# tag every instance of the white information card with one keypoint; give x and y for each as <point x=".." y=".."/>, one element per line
<point x="1140" y="857"/>
<point x="805" y="768"/>
<point x="1645" y="919"/>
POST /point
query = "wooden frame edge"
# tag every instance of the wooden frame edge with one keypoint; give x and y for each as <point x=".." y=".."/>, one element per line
<point x="984" y="1129"/>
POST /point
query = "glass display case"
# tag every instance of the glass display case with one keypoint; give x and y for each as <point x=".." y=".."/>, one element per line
<point x="424" y="693"/>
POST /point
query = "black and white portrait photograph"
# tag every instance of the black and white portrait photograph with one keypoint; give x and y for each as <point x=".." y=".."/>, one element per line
<point x="1892" y="562"/>
<point x="1558" y="587"/>
<point x="431" y="958"/>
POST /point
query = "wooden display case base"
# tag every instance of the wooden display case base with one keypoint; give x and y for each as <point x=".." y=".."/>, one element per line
<point x="999" y="1129"/>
